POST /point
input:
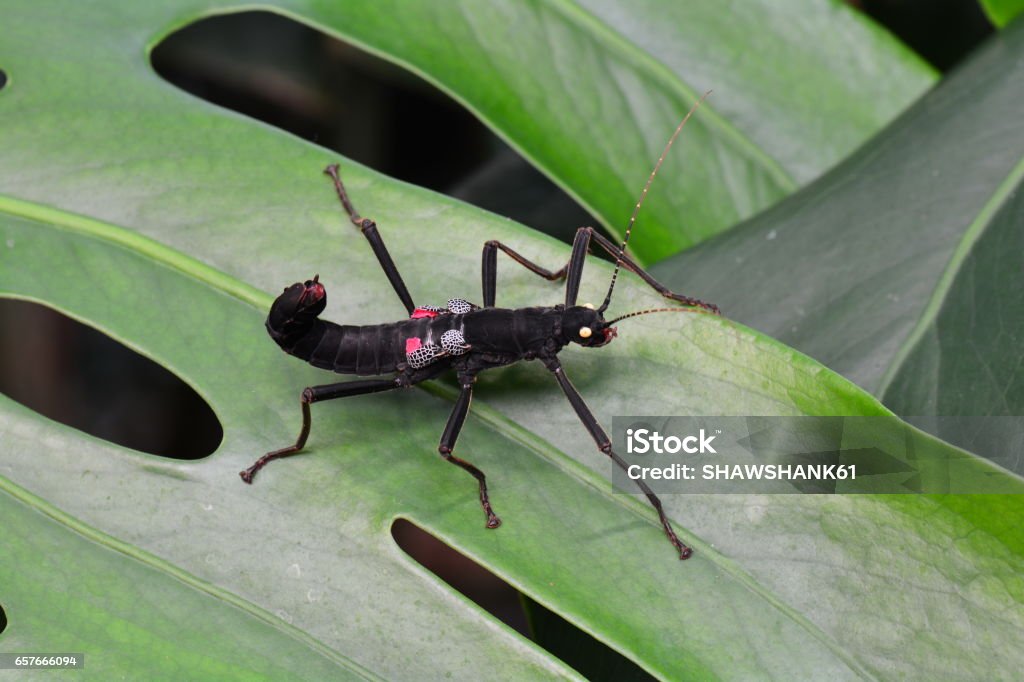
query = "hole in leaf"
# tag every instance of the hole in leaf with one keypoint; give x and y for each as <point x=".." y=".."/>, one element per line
<point x="942" y="32"/>
<point x="588" y="656"/>
<point x="3" y="618"/>
<point x="296" y="78"/>
<point x="81" y="377"/>
<point x="3" y="79"/>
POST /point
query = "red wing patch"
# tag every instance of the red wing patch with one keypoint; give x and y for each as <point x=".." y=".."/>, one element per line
<point x="423" y="312"/>
<point x="412" y="343"/>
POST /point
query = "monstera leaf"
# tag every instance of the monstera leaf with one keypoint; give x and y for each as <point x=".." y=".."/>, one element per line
<point x="900" y="269"/>
<point x="1002" y="12"/>
<point x="163" y="222"/>
<point x="589" y="92"/>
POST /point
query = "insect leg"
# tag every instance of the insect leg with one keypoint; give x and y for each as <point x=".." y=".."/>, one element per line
<point x="580" y="246"/>
<point x="369" y="230"/>
<point x="451" y="434"/>
<point x="573" y="270"/>
<point x="604" y="444"/>
<point x="315" y="394"/>
<point x="490" y="269"/>
<point x="630" y="264"/>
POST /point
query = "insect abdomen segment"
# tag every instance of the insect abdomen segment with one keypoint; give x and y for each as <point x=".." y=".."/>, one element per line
<point x="367" y="350"/>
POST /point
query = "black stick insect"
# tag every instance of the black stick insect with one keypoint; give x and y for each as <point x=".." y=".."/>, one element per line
<point x="462" y="337"/>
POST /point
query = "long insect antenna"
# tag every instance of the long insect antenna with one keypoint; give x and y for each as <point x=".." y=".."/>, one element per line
<point x="660" y="310"/>
<point x="643" y="195"/>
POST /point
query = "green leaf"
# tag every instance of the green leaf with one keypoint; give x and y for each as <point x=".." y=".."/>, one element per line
<point x="111" y="178"/>
<point x="1002" y="12"/>
<point x="590" y="92"/>
<point x="133" y="613"/>
<point x="310" y="541"/>
<point x="900" y="268"/>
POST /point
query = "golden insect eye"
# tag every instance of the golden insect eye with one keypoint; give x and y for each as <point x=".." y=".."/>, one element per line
<point x="585" y="332"/>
